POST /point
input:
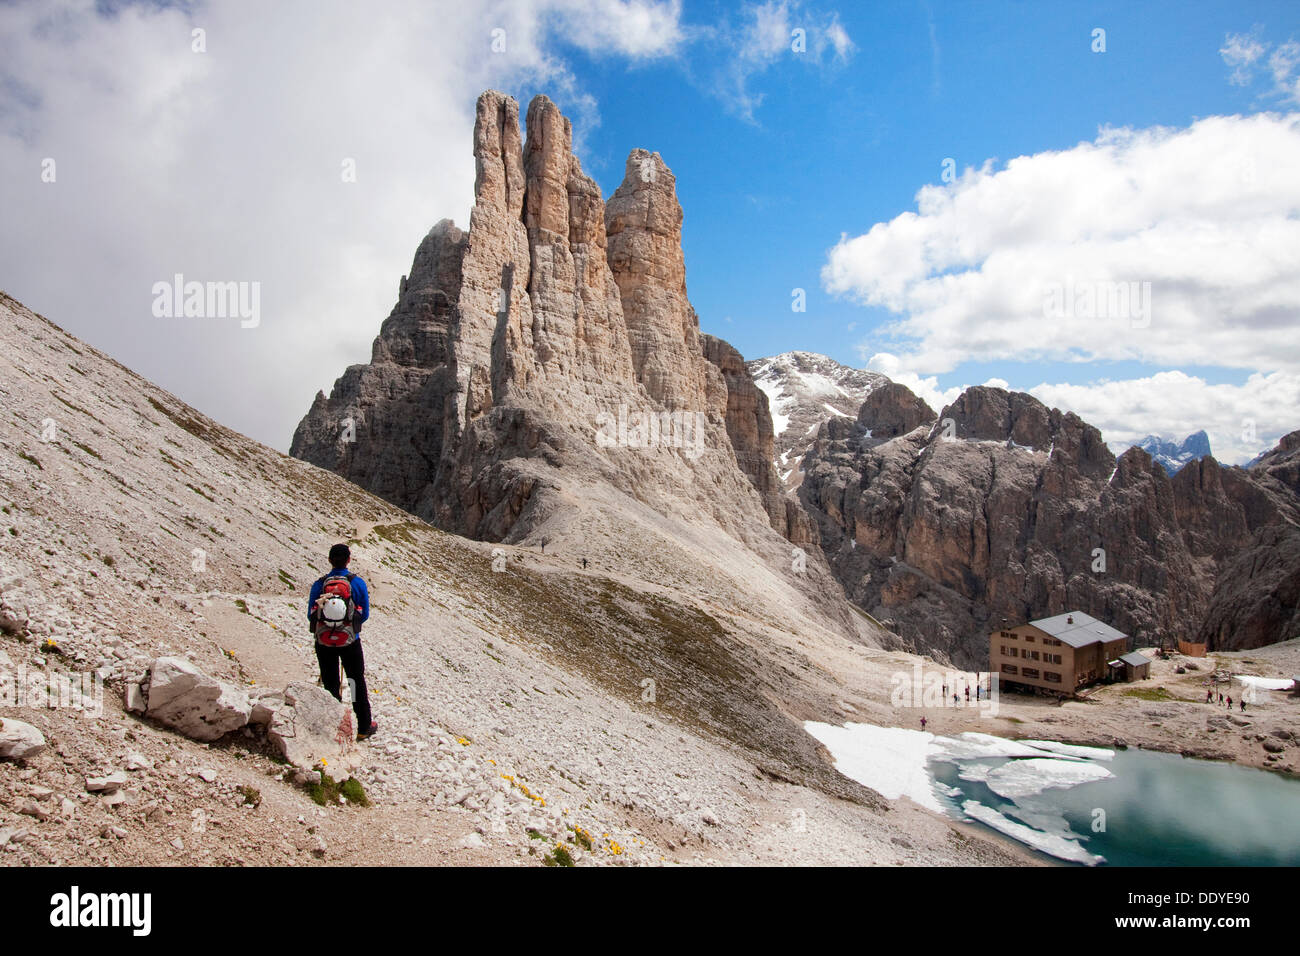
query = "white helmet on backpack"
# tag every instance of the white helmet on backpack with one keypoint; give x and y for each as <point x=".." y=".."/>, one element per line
<point x="334" y="610"/>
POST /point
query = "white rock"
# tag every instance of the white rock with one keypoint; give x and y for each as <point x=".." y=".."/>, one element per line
<point x="206" y="774"/>
<point x="313" y="726"/>
<point x="31" y="808"/>
<point x="182" y="697"/>
<point x="19" y="740"/>
<point x="110" y="784"/>
<point x="138" y="761"/>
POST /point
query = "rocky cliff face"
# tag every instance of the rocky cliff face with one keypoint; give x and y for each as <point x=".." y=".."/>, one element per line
<point x="552" y="350"/>
<point x="1256" y="596"/>
<point x="1001" y="508"/>
<point x="749" y="425"/>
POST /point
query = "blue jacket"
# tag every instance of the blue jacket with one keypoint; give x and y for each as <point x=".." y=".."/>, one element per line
<point x="360" y="597"/>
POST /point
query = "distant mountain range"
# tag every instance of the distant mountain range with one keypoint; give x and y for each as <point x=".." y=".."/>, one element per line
<point x="1172" y="455"/>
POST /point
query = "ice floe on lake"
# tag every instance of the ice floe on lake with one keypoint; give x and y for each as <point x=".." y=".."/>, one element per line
<point x="893" y="762"/>
<point x="1053" y="844"/>
<point x="1024" y="778"/>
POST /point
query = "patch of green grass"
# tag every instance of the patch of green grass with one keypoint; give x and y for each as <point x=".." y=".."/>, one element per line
<point x="195" y="426"/>
<point x="252" y="796"/>
<point x="76" y="408"/>
<point x="329" y="790"/>
<point x="31" y="458"/>
<point x="582" y="838"/>
<point x="397" y="533"/>
<point x="1147" y="693"/>
<point x="242" y="605"/>
<point x="353" y="792"/>
<point x="108" y="560"/>
<point x="89" y="451"/>
<point x="200" y="491"/>
<point x="558" y="857"/>
<point x="288" y="581"/>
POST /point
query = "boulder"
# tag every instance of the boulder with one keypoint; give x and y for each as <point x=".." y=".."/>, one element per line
<point x="264" y="707"/>
<point x="18" y="740"/>
<point x="313" y="726"/>
<point x="180" y="696"/>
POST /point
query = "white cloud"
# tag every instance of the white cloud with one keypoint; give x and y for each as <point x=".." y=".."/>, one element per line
<point x="226" y="166"/>
<point x="1004" y="264"/>
<point x="772" y="32"/>
<point x="630" y="28"/>
<point x="1282" y="64"/>
<point x="1241" y="420"/>
<point x="1243" y="52"/>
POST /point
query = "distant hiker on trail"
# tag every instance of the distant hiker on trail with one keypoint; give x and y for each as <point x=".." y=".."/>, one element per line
<point x="1243" y="704"/>
<point x="923" y="719"/>
<point x="1229" y="703"/>
<point x="339" y="604"/>
<point x="968" y="693"/>
<point x="584" y="564"/>
<point x="1209" y="696"/>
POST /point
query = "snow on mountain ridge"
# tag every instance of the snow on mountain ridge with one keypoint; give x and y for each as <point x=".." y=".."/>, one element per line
<point x="805" y="389"/>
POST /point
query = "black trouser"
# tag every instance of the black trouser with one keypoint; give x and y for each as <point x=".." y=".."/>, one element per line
<point x="354" y="665"/>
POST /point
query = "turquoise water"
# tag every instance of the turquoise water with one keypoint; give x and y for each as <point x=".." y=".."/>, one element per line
<point x="1159" y="810"/>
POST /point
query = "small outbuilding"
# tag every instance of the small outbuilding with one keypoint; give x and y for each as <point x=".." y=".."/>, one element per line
<point x="1130" y="667"/>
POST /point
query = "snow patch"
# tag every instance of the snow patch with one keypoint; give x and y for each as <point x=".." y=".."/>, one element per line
<point x="889" y="760"/>
<point x="1053" y="844"/>
<point x="1265" y="683"/>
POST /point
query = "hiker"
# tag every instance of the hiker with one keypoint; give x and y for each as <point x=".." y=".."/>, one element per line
<point x="339" y="604"/>
<point x="1229" y="703"/>
<point x="977" y="692"/>
<point x="968" y="693"/>
<point x="584" y="564"/>
<point x="1243" y="704"/>
<point x="923" y="719"/>
<point x="1209" y="696"/>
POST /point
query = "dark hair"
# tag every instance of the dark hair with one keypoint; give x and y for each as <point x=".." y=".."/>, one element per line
<point x="340" y="555"/>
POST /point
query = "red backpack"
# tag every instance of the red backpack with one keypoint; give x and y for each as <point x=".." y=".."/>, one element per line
<point x="334" y="612"/>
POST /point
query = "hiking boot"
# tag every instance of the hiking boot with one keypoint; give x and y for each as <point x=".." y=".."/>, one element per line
<point x="366" y="734"/>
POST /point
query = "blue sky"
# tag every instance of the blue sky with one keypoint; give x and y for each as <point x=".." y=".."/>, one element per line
<point x="226" y="164"/>
<point x="839" y="147"/>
